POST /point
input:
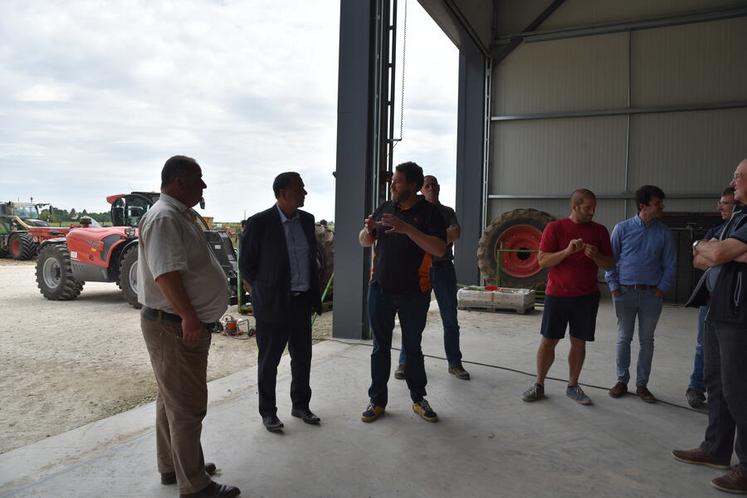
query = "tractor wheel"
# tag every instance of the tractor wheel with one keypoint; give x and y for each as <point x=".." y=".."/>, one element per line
<point x="128" y="276"/>
<point x="518" y="230"/>
<point x="325" y="255"/>
<point x="54" y="274"/>
<point x="21" y="246"/>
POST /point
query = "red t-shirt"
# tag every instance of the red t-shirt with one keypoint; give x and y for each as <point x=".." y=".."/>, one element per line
<point x="576" y="275"/>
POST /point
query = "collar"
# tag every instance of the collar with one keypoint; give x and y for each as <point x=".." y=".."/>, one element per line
<point x="283" y="217"/>
<point x="173" y="202"/>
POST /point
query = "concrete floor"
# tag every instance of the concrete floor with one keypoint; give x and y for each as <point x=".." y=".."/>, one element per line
<point x="487" y="443"/>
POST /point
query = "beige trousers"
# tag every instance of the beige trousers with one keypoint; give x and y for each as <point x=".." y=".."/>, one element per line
<point x="181" y="403"/>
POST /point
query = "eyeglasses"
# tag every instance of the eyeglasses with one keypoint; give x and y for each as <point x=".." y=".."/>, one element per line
<point x="738" y="176"/>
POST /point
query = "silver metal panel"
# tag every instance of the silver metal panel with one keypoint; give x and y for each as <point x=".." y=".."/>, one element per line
<point x="687" y="151"/>
<point x="564" y="75"/>
<point x="697" y="63"/>
<point x="584" y="12"/>
<point x="529" y="157"/>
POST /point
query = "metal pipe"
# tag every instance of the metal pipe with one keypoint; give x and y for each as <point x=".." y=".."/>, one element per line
<point x="616" y="27"/>
<point x="625" y="111"/>
<point x="622" y="196"/>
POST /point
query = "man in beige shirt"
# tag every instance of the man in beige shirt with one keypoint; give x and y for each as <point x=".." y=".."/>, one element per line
<point x="183" y="290"/>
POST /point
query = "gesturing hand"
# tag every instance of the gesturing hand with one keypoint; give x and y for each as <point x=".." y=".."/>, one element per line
<point x="591" y="251"/>
<point x="575" y="246"/>
<point x="369" y="224"/>
<point x="392" y="224"/>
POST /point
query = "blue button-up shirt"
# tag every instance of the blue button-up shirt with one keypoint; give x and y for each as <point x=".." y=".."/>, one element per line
<point x="644" y="254"/>
<point x="298" y="252"/>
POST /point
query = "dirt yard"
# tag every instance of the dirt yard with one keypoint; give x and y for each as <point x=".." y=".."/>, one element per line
<point x="65" y="364"/>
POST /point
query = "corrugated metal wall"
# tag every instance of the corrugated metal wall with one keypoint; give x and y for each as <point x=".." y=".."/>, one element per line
<point x="689" y="153"/>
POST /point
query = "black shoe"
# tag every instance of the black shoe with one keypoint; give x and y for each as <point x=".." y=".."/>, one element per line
<point x="215" y="490"/>
<point x="306" y="415"/>
<point x="399" y="374"/>
<point x="696" y="399"/>
<point x="168" y="478"/>
<point x="272" y="423"/>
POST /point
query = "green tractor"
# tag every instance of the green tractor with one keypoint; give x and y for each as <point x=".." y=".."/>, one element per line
<point x="21" y="230"/>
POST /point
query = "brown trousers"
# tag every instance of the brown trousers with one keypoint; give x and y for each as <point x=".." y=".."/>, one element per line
<point x="181" y="403"/>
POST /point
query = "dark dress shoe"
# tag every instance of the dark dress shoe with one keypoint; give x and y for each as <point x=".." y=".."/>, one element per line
<point x="215" y="490"/>
<point x="272" y="423"/>
<point x="306" y="415"/>
<point x="170" y="477"/>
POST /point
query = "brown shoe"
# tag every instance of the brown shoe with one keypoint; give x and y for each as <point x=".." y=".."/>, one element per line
<point x="645" y="394"/>
<point x="698" y="456"/>
<point x="618" y="390"/>
<point x="733" y="482"/>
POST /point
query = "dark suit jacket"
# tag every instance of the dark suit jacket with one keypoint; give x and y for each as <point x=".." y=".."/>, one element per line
<point x="264" y="263"/>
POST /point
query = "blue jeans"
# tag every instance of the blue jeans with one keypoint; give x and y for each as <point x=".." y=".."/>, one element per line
<point x="444" y="282"/>
<point x="412" y="310"/>
<point x="696" y="378"/>
<point x="646" y="306"/>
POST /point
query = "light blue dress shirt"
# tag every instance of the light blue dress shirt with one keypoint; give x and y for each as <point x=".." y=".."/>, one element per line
<point x="644" y="254"/>
<point x="298" y="252"/>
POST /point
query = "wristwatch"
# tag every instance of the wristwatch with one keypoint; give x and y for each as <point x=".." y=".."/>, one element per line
<point x="695" y="244"/>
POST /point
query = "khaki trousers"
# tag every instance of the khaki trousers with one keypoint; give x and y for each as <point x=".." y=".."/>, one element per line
<point x="180" y="369"/>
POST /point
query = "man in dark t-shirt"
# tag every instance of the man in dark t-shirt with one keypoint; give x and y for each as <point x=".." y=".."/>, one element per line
<point x="725" y="347"/>
<point x="574" y="249"/>
<point x="408" y="232"/>
<point x="444" y="282"/>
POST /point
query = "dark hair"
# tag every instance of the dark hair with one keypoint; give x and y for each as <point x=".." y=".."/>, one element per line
<point x="728" y="191"/>
<point x="176" y="167"/>
<point x="413" y="173"/>
<point x="283" y="181"/>
<point x="644" y="194"/>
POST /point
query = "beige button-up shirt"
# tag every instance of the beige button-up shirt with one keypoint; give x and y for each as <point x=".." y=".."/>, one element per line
<point x="170" y="240"/>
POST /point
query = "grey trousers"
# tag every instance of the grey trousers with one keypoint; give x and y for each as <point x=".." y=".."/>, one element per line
<point x="181" y="404"/>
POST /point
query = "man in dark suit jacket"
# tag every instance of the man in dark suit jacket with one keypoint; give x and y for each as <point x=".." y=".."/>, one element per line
<point x="278" y="262"/>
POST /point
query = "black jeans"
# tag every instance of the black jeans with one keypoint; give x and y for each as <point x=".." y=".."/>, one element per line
<point x="272" y="337"/>
<point x="725" y="376"/>
<point x="412" y="310"/>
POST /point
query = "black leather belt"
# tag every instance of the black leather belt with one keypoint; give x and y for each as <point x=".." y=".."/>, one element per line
<point x="639" y="286"/>
<point x="296" y="293"/>
<point x="160" y="315"/>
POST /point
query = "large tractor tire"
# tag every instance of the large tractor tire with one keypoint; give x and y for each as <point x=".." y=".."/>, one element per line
<point x="21" y="246"/>
<point x="518" y="230"/>
<point x="128" y="276"/>
<point x="54" y="274"/>
<point x="325" y="256"/>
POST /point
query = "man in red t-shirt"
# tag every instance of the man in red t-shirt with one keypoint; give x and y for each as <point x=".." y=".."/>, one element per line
<point x="574" y="249"/>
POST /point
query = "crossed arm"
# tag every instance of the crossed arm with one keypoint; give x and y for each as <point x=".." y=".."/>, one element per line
<point x="710" y="253"/>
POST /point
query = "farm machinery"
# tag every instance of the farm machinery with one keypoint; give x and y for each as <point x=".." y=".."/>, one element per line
<point x="109" y="254"/>
<point x="21" y="230"/>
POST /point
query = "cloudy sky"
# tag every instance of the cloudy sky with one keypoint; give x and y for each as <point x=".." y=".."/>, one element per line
<point x="96" y="95"/>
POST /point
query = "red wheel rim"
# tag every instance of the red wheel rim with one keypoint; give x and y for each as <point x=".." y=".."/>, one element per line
<point x="15" y="247"/>
<point x="519" y="238"/>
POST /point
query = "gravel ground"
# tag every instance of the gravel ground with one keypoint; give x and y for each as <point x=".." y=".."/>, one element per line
<point x="68" y="363"/>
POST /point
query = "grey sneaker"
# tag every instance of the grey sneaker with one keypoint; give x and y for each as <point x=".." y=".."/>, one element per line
<point x="459" y="372"/>
<point x="399" y="374"/>
<point x="578" y="395"/>
<point x="534" y="393"/>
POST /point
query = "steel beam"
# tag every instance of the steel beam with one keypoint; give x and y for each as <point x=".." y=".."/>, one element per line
<point x="624" y="111"/>
<point x="515" y="41"/>
<point x="617" y="27"/>
<point x="622" y="196"/>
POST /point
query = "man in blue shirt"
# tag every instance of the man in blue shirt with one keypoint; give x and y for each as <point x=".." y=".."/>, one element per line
<point x="644" y="251"/>
<point x="695" y="393"/>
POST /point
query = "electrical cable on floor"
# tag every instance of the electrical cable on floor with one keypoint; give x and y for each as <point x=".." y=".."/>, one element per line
<point x="509" y="369"/>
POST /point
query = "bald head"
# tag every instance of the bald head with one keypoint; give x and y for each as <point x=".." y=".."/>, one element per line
<point x="578" y="196"/>
<point x="740" y="182"/>
<point x="431" y="189"/>
<point x="583" y="205"/>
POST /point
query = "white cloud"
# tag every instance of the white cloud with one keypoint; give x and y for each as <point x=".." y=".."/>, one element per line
<point x="96" y="95"/>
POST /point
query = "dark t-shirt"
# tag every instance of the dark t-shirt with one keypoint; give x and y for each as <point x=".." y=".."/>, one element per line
<point x="576" y="275"/>
<point x="450" y="218"/>
<point x="400" y="265"/>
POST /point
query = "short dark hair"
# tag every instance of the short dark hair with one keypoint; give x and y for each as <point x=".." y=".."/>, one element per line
<point x="644" y="194"/>
<point x="728" y="191"/>
<point x="413" y="173"/>
<point x="176" y="167"/>
<point x="283" y="181"/>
